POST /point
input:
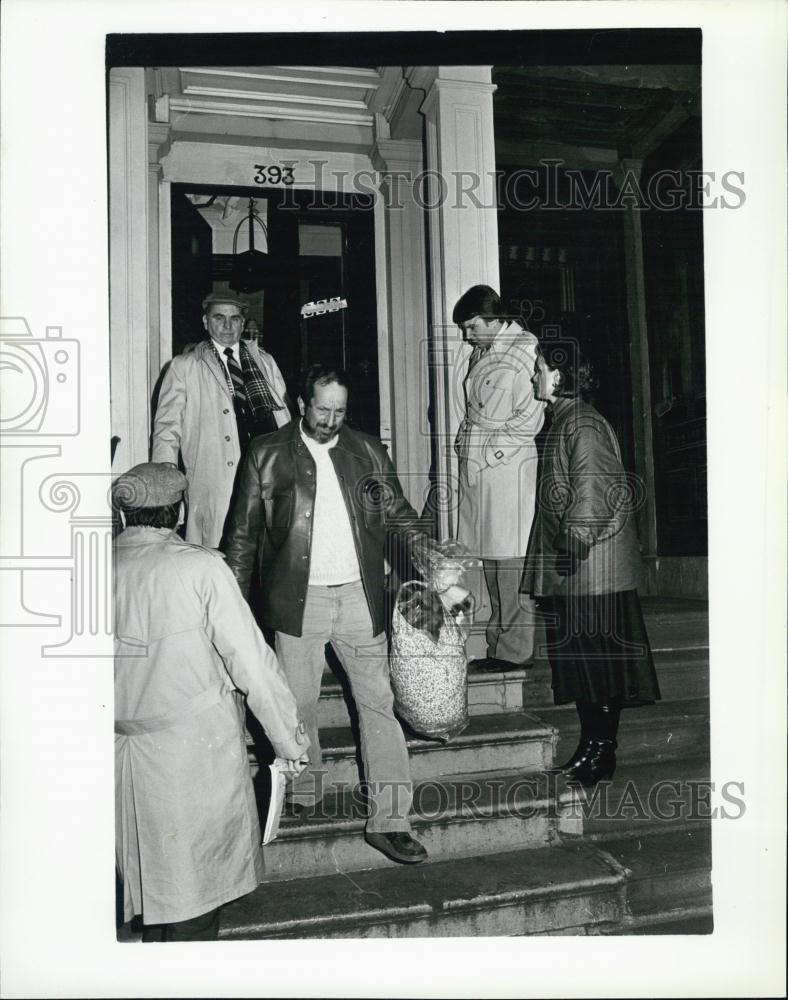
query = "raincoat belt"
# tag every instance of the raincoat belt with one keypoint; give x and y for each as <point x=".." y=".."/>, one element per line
<point x="481" y="423"/>
<point x="206" y="699"/>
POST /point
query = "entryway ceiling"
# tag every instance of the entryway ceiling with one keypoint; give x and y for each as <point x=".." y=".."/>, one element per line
<point x="626" y="110"/>
<point x="582" y="113"/>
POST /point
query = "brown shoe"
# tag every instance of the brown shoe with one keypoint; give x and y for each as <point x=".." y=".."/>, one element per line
<point x="399" y="846"/>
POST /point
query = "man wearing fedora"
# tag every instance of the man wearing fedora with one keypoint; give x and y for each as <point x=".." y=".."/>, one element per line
<point x="187" y="828"/>
<point x="215" y="397"/>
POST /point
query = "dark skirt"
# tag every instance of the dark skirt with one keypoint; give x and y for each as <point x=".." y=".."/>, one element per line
<point x="599" y="650"/>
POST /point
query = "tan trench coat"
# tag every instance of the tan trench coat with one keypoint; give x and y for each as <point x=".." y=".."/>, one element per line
<point x="496" y="449"/>
<point x="187" y="830"/>
<point x="195" y="417"/>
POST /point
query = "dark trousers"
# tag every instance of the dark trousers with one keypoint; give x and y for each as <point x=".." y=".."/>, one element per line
<point x="202" y="928"/>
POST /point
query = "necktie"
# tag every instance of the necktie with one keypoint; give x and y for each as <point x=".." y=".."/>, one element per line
<point x="236" y="375"/>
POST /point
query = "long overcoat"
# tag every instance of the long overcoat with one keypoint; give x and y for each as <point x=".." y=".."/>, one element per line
<point x="195" y="416"/>
<point x="496" y="449"/>
<point x="584" y="539"/>
<point x="187" y="830"/>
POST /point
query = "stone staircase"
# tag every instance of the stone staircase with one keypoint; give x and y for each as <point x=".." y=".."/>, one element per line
<point x="513" y="851"/>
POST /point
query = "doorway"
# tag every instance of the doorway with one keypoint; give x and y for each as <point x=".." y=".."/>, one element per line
<point x="317" y="301"/>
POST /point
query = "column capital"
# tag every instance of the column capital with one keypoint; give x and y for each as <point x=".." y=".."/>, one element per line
<point x="627" y="165"/>
<point x="459" y="90"/>
<point x="159" y="140"/>
<point x="423" y="77"/>
<point x="389" y="155"/>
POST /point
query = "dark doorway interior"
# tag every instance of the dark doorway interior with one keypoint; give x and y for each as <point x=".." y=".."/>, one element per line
<point x="320" y="246"/>
<point x="673" y="249"/>
<point x="562" y="271"/>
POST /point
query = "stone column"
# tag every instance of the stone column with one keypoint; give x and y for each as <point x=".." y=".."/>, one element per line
<point x="630" y="171"/>
<point x="128" y="253"/>
<point x="459" y="197"/>
<point x="159" y="338"/>
<point x="400" y="163"/>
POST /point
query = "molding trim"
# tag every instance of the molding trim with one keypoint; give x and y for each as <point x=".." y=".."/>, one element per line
<point x="256" y="95"/>
<point x="205" y="107"/>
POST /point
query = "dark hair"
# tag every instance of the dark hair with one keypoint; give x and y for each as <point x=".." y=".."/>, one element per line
<point x="152" y="517"/>
<point x="480" y="300"/>
<point x="321" y="375"/>
<point x="577" y="373"/>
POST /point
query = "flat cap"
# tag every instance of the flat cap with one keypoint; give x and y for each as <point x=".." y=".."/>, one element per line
<point x="150" y="484"/>
<point x="222" y="298"/>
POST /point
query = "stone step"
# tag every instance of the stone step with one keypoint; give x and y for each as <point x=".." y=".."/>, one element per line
<point x="462" y="815"/>
<point x="487" y="694"/>
<point x="516" y="741"/>
<point x="668" y="881"/>
<point x="681" y="628"/>
<point x="671" y="624"/>
<point x="685" y="920"/>
<point x="642" y="799"/>
<point x="658" y="732"/>
<point x="682" y="674"/>
<point x="551" y="889"/>
<point x="481" y="813"/>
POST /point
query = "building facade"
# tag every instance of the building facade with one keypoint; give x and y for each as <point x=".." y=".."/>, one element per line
<point x="390" y="190"/>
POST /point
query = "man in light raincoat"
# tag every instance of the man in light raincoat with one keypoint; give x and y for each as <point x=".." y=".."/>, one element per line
<point x="207" y="418"/>
<point x="187" y="828"/>
<point x="497" y="468"/>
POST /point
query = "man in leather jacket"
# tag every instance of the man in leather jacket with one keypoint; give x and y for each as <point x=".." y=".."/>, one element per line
<point x="313" y="504"/>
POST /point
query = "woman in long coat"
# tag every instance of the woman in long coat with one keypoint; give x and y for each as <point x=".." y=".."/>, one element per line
<point x="583" y="564"/>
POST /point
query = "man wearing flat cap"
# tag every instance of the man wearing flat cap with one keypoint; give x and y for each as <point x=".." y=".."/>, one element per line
<point x="215" y="397"/>
<point x="187" y="829"/>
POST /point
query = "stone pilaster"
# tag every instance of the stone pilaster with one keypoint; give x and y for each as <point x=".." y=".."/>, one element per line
<point x="128" y="252"/>
<point x="630" y="171"/>
<point x="160" y="333"/>
<point x="459" y="198"/>
<point x="400" y="164"/>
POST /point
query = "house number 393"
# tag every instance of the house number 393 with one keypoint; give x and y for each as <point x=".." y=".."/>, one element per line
<point x="272" y="174"/>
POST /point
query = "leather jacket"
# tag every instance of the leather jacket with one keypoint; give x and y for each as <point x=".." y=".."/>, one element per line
<point x="270" y="521"/>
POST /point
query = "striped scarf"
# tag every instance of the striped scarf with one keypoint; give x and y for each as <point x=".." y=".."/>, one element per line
<point x="258" y="398"/>
<point x="259" y="394"/>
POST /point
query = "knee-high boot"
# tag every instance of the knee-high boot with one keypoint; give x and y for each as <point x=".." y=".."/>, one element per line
<point x="599" y="760"/>
<point x="588" y="714"/>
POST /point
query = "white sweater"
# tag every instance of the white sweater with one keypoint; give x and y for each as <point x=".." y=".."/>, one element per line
<point x="333" y="557"/>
